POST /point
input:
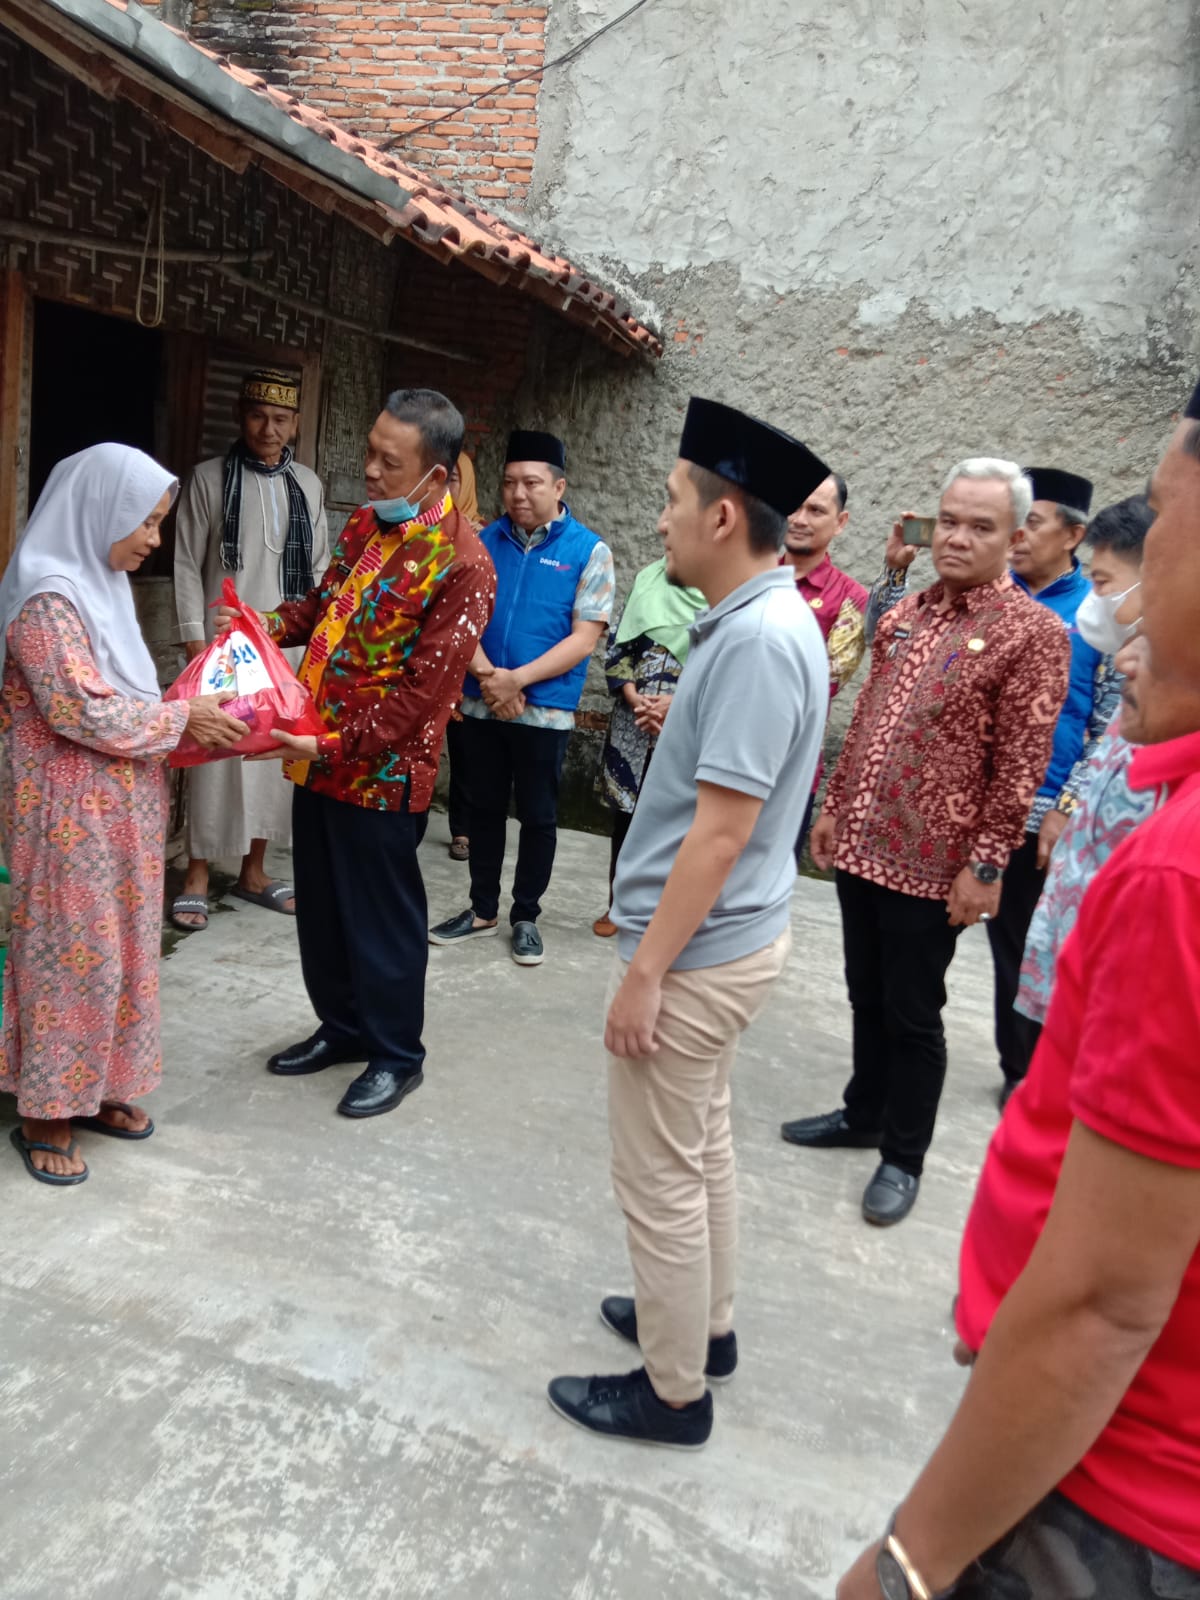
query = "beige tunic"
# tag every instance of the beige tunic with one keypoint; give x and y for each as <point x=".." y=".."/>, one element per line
<point x="231" y="802"/>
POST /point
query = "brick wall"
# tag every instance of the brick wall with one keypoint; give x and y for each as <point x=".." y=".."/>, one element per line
<point x="387" y="66"/>
<point x="443" y="305"/>
<point x="71" y="159"/>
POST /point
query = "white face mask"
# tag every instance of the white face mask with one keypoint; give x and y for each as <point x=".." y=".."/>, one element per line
<point x="1097" y="622"/>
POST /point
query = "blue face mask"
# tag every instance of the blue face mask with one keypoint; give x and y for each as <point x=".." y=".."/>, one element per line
<point x="403" y="509"/>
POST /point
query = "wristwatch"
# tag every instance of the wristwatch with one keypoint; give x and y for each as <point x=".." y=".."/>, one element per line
<point x="1067" y="804"/>
<point x="985" y="872"/>
<point x="898" y="1578"/>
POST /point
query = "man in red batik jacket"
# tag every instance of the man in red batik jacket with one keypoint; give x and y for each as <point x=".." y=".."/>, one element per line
<point x="949" y="742"/>
<point x="389" y="631"/>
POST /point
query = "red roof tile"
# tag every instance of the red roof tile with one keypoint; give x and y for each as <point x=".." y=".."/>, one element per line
<point x="453" y="228"/>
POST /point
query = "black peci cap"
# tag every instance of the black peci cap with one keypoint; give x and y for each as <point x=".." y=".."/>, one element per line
<point x="1064" y="488"/>
<point x="756" y="457"/>
<point x="526" y="444"/>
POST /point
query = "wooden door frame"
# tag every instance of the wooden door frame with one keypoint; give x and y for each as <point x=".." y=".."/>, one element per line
<point x="15" y="335"/>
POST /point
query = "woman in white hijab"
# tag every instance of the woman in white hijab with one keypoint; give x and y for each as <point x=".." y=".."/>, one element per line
<point x="83" y="808"/>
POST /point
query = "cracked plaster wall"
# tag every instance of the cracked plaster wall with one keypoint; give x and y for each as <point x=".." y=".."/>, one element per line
<point x="948" y="230"/>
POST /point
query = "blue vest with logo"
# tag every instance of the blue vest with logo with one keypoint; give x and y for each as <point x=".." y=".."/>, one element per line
<point x="535" y="604"/>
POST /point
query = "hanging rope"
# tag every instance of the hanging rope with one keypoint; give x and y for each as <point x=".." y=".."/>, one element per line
<point x="155" y="320"/>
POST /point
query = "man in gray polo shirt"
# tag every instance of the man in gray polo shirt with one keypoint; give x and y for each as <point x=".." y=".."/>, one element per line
<point x="701" y="904"/>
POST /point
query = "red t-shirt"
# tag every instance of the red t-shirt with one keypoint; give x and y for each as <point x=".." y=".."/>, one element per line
<point x="1121" y="1053"/>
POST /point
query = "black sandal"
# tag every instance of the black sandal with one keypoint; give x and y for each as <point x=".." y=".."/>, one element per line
<point x="25" y="1148"/>
<point x="98" y="1125"/>
<point x="194" y="905"/>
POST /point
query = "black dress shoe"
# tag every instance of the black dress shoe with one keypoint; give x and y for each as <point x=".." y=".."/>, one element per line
<point x="619" y="1313"/>
<point x="890" y="1195"/>
<point x="625" y="1406"/>
<point x="377" y="1090"/>
<point x="313" y="1055"/>
<point x="830" y="1131"/>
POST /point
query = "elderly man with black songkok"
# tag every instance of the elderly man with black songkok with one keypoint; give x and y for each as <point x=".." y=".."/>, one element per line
<point x="702" y="908"/>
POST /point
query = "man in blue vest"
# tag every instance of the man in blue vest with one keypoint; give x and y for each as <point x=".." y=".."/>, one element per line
<point x="1044" y="562"/>
<point x="554" y="594"/>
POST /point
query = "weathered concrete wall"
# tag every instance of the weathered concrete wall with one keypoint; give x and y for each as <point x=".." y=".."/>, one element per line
<point x="907" y="238"/>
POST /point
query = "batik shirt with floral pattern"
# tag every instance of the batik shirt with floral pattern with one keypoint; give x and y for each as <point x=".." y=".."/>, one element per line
<point x="394" y="677"/>
<point x="1109" y="811"/>
<point x="950" y="738"/>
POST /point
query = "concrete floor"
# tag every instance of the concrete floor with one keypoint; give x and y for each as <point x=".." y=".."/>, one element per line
<point x="274" y="1354"/>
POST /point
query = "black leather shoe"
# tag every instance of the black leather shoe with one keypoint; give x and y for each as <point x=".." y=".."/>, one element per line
<point x="377" y="1090"/>
<point x="890" y="1195"/>
<point x="625" y="1406"/>
<point x="313" y="1055"/>
<point x="830" y="1131"/>
<point x="619" y="1313"/>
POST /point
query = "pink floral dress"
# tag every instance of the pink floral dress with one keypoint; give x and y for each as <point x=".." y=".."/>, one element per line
<point x="83" y="810"/>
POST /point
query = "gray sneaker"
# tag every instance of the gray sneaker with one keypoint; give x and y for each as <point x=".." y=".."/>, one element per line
<point x="457" y="929"/>
<point x="527" y="948"/>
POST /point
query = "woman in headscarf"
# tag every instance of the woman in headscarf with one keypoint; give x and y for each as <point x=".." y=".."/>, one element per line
<point x="83" y="808"/>
<point x="647" y="647"/>
<point x="461" y="485"/>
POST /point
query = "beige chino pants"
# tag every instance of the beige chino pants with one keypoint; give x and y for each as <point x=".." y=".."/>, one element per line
<point x="672" y="1162"/>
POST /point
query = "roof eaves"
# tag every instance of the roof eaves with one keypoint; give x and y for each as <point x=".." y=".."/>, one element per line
<point x="163" y="50"/>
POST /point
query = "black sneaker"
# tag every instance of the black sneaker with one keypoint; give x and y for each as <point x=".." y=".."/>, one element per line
<point x="527" y="948"/>
<point x="455" y="930"/>
<point x="619" y="1313"/>
<point x="625" y="1406"/>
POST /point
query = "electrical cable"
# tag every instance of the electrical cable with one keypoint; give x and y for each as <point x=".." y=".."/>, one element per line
<point x="511" y="83"/>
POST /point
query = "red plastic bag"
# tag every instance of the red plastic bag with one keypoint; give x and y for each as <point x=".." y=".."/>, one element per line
<point x="244" y="659"/>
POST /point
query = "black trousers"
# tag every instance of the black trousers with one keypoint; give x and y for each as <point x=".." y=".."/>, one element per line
<point x="802" y="836"/>
<point x="898" y="950"/>
<point x="363" y="926"/>
<point x="459" y="798"/>
<point x="622" y="821"/>
<point x="1016" y="1034"/>
<point x="508" y="760"/>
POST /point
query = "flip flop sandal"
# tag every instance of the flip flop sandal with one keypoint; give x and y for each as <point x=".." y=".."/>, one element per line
<point x="98" y="1124"/>
<point x="25" y="1148"/>
<point x="272" y="896"/>
<point x="195" y="904"/>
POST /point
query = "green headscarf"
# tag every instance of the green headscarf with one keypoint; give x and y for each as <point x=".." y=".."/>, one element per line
<point x="658" y="610"/>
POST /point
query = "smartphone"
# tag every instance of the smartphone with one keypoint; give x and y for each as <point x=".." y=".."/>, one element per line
<point x="918" y="530"/>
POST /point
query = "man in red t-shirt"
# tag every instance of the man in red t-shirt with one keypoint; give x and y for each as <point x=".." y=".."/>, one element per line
<point x="1072" y="1467"/>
